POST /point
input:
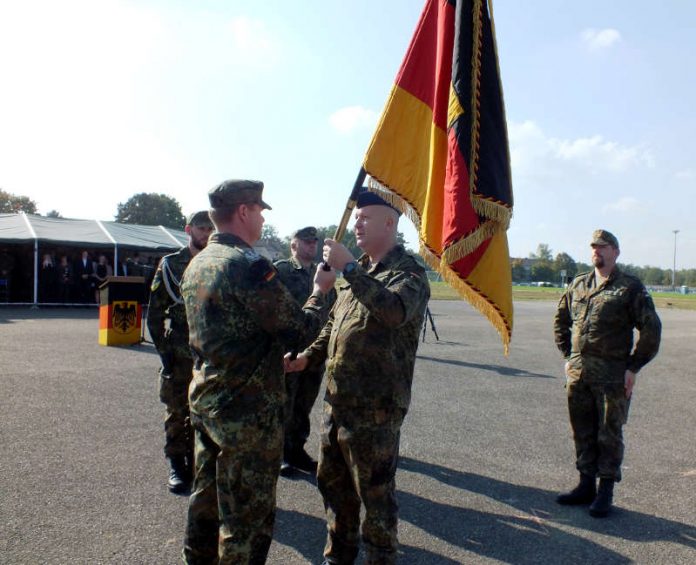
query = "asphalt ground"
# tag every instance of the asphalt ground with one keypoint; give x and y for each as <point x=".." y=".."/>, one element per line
<point x="485" y="448"/>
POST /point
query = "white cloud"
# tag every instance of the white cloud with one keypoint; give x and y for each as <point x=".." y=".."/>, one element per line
<point x="534" y="154"/>
<point x="349" y="119"/>
<point x="622" y="205"/>
<point x="597" y="39"/>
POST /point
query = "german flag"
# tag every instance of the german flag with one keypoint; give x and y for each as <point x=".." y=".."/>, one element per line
<point x="440" y="154"/>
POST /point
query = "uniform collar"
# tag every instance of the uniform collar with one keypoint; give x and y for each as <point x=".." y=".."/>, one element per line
<point x="228" y="239"/>
<point x="387" y="261"/>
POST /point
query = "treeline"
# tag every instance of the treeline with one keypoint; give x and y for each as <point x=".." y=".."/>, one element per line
<point x="161" y="209"/>
<point x="543" y="266"/>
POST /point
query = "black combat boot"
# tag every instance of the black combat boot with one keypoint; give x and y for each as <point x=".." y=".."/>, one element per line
<point x="602" y="504"/>
<point x="178" y="481"/>
<point x="584" y="493"/>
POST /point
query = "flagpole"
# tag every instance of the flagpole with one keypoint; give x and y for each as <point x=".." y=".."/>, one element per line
<point x="350" y="205"/>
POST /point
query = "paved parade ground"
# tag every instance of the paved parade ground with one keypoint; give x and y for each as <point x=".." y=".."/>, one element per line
<point x="485" y="448"/>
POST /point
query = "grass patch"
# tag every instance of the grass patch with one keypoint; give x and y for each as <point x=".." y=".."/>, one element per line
<point x="442" y="291"/>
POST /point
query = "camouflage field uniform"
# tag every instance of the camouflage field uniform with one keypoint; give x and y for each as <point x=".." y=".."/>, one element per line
<point x="241" y="321"/>
<point x="593" y="328"/>
<point x="370" y="343"/>
<point x="171" y="341"/>
<point x="301" y="388"/>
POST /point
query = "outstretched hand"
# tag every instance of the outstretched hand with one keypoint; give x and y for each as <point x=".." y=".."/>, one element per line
<point x="296" y="365"/>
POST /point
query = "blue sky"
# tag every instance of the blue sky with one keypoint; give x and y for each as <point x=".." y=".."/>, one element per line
<point x="102" y="99"/>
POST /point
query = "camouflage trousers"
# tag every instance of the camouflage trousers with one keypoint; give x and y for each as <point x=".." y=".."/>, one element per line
<point x="301" y="392"/>
<point x="173" y="393"/>
<point x="597" y="415"/>
<point x="357" y="464"/>
<point x="232" y="504"/>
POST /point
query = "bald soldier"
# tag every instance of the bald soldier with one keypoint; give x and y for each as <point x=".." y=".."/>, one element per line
<point x="593" y="328"/>
<point x="240" y="317"/>
<point x="166" y="322"/>
<point x="369" y="344"/>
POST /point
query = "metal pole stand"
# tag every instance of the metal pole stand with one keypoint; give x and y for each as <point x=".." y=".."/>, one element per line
<point x="429" y="317"/>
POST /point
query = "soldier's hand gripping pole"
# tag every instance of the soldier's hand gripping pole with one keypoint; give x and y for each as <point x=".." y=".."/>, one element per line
<point x="350" y="206"/>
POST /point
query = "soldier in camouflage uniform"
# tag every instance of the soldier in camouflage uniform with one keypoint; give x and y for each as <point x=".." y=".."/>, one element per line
<point x="370" y="344"/>
<point x="301" y="389"/>
<point x="241" y="318"/>
<point x="166" y="322"/>
<point x="593" y="328"/>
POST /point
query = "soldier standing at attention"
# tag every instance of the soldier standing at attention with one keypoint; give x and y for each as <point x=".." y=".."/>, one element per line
<point x="172" y="345"/>
<point x="240" y="317"/>
<point x="370" y="343"/>
<point x="302" y="388"/>
<point x="593" y="328"/>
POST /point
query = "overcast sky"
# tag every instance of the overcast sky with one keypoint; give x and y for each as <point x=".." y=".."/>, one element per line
<point x="102" y="99"/>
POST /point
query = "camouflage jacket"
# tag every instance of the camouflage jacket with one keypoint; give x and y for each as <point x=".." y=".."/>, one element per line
<point x="300" y="282"/>
<point x="593" y="327"/>
<point x="371" y="337"/>
<point x="166" y="304"/>
<point x="241" y="320"/>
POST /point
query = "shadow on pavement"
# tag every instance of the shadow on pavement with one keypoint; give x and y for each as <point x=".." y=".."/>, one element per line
<point x="500" y="369"/>
<point x="526" y="537"/>
<point x="307" y="534"/>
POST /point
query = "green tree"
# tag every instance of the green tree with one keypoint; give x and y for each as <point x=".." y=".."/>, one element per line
<point x="54" y="214"/>
<point x="564" y="262"/>
<point x="519" y="272"/>
<point x="13" y="203"/>
<point x="150" y="209"/>
<point x="543" y="252"/>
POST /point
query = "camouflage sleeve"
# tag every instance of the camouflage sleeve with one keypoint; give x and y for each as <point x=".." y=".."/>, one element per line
<point x="274" y="308"/>
<point x="562" y="323"/>
<point x="156" y="309"/>
<point x="649" y="327"/>
<point x="317" y="351"/>
<point x="395" y="302"/>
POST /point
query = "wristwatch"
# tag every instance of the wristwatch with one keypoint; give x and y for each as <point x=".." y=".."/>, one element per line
<point x="350" y="267"/>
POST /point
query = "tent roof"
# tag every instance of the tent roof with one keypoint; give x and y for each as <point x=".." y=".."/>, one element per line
<point x="26" y="228"/>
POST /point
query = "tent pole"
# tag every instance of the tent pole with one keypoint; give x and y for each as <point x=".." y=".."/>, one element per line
<point x="36" y="273"/>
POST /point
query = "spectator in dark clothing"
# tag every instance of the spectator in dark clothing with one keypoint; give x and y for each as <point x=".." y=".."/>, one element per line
<point x="83" y="271"/>
<point x="48" y="279"/>
<point x="65" y="280"/>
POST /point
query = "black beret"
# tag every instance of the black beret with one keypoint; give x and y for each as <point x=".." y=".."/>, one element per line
<point x="368" y="198"/>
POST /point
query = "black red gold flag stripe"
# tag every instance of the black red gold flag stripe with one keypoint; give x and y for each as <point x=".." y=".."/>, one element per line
<point x="440" y="154"/>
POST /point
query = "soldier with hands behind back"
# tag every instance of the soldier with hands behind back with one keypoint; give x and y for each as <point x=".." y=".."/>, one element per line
<point x="593" y="328"/>
<point x="166" y="322"/>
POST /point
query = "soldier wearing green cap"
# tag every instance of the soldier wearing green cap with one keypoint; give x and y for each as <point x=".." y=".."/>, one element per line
<point x="593" y="328"/>
<point x="166" y="322"/>
<point x="301" y="388"/>
<point x="240" y="318"/>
